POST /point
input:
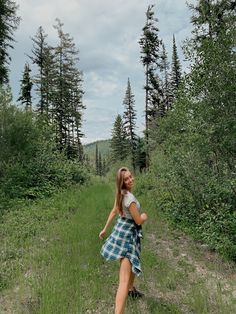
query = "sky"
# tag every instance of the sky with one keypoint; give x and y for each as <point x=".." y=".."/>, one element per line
<point x="106" y="32"/>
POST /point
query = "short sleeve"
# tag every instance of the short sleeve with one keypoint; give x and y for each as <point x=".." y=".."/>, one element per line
<point x="128" y="199"/>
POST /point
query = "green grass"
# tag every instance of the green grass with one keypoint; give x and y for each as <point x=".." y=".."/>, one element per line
<point x="52" y="262"/>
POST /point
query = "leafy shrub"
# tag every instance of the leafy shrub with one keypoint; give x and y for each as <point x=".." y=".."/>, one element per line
<point x="30" y="164"/>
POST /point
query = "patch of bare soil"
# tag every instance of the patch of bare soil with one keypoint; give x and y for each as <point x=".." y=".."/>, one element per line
<point x="202" y="268"/>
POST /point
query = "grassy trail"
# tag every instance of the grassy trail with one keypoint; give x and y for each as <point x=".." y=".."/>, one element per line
<point x="62" y="271"/>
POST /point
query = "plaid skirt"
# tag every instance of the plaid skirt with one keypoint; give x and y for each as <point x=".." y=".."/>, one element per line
<point x="124" y="241"/>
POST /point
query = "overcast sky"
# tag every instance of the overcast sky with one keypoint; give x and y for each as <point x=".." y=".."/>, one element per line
<point x="107" y="34"/>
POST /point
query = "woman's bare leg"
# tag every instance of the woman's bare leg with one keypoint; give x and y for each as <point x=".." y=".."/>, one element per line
<point x="122" y="291"/>
<point x="131" y="281"/>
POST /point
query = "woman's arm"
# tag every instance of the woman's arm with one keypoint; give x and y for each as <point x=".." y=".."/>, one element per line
<point x="111" y="216"/>
<point x="137" y="217"/>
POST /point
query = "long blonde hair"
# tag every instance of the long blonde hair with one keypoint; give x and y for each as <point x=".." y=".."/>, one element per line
<point x="120" y="189"/>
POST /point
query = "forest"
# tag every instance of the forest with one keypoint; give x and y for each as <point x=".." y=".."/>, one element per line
<point x="184" y="162"/>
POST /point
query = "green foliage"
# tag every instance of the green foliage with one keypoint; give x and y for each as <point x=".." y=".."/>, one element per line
<point x="97" y="157"/>
<point x="30" y="164"/>
<point x="192" y="171"/>
<point x="58" y="84"/>
<point x="175" y="69"/>
<point x="26" y="86"/>
<point x="129" y="118"/>
<point x="9" y="22"/>
<point x="119" y="141"/>
<point x="190" y="184"/>
<point x="150" y="56"/>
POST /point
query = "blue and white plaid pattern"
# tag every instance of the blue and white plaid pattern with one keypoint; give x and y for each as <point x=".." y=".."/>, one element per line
<point x="124" y="241"/>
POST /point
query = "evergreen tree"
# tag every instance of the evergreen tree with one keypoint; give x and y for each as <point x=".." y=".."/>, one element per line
<point x="175" y="70"/>
<point x="150" y="46"/>
<point x="166" y="88"/>
<point x="104" y="166"/>
<point x="118" y="140"/>
<point x="129" y="120"/>
<point x="59" y="86"/>
<point x="140" y="154"/>
<point x="68" y="104"/>
<point x="97" y="160"/>
<point x="48" y="88"/>
<point x="26" y="86"/>
<point x="8" y="24"/>
<point x="100" y="171"/>
<point x="155" y="109"/>
<point x="40" y="56"/>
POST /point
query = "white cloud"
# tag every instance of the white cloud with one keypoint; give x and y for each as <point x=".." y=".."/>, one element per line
<point x="101" y="87"/>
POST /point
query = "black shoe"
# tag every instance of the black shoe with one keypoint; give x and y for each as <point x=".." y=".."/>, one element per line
<point x="135" y="294"/>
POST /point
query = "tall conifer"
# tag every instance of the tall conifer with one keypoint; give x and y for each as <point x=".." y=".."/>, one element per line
<point x="39" y="56"/>
<point x="100" y="171"/>
<point x="150" y="46"/>
<point x="129" y="120"/>
<point x="175" y="69"/>
<point x="97" y="160"/>
<point x="118" y="140"/>
<point x="9" y="22"/>
<point x="26" y="86"/>
<point x="68" y="105"/>
<point x="165" y="77"/>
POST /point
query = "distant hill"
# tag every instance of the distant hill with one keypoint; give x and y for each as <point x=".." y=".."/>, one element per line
<point x="103" y="147"/>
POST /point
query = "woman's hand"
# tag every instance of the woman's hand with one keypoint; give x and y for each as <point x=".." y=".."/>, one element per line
<point x="102" y="234"/>
<point x="144" y="216"/>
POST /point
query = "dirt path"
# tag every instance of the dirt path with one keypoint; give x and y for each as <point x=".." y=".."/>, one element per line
<point x="184" y="276"/>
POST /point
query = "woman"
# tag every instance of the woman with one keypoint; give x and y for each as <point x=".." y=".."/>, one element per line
<point x="124" y="242"/>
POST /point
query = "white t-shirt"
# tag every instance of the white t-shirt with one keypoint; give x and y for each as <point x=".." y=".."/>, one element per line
<point x="127" y="200"/>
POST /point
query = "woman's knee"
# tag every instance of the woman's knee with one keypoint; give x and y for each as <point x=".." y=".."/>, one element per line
<point x="125" y="264"/>
<point x="125" y="270"/>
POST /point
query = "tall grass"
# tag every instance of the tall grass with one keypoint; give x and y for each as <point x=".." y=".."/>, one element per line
<point x="73" y="278"/>
<point x="62" y="271"/>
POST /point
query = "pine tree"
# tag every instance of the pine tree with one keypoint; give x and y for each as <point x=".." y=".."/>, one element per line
<point x="166" y="88"/>
<point x="129" y="120"/>
<point x="140" y="154"/>
<point x="150" y="46"/>
<point x="104" y="166"/>
<point x="43" y="59"/>
<point x="155" y="109"/>
<point x="8" y="24"/>
<point x="100" y="164"/>
<point x="68" y="104"/>
<point x="118" y="140"/>
<point x="76" y="114"/>
<point x="97" y="160"/>
<point x="26" y="86"/>
<point x="175" y="70"/>
<point x="48" y="88"/>
<point x="59" y="87"/>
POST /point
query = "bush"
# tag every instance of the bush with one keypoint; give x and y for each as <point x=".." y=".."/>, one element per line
<point x="30" y="164"/>
<point x="191" y="188"/>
